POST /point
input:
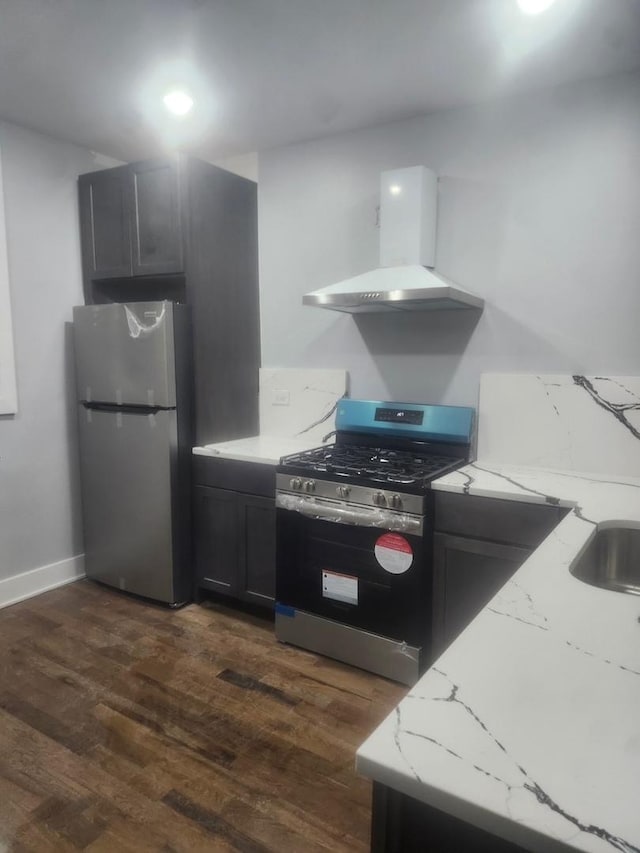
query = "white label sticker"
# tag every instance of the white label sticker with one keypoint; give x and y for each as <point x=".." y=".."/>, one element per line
<point x="339" y="587"/>
<point x="394" y="553"/>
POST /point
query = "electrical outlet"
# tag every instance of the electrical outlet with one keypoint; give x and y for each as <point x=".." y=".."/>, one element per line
<point x="280" y="397"/>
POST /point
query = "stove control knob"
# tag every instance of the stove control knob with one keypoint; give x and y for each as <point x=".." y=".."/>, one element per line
<point x="379" y="499"/>
<point x="343" y="491"/>
<point x="295" y="483"/>
<point x="395" y="501"/>
<point x="309" y="485"/>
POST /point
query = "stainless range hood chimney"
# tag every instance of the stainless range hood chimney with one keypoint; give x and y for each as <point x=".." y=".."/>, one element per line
<point x="405" y="280"/>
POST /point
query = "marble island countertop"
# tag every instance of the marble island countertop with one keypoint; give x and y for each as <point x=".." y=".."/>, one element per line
<point x="529" y="724"/>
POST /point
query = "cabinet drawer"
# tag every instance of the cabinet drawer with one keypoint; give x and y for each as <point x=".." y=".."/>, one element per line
<point x="252" y="478"/>
<point x="510" y="522"/>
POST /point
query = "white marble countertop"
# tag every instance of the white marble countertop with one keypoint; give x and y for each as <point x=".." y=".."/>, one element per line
<point x="529" y="724"/>
<point x="297" y="412"/>
<point x="265" y="449"/>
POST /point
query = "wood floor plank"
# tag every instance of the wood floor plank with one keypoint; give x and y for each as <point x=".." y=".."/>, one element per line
<point x="126" y="726"/>
<point x="17" y="805"/>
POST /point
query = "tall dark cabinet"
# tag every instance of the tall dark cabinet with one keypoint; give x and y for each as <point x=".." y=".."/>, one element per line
<point x="181" y="229"/>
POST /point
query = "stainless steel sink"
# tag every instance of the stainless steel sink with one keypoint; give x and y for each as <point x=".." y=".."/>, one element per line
<point x="611" y="560"/>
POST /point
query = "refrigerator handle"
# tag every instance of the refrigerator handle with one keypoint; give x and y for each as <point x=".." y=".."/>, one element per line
<point x="114" y="409"/>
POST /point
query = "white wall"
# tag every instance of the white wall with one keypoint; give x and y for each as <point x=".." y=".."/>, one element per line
<point x="539" y="213"/>
<point x="245" y="165"/>
<point x="40" y="520"/>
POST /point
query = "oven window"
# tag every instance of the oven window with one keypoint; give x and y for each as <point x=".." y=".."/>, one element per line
<point x="367" y="590"/>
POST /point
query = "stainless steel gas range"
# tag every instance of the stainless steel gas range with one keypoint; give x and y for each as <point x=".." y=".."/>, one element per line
<point x="354" y="534"/>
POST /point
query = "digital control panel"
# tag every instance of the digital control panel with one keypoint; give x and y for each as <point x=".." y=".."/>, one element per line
<point x="400" y="416"/>
<point x="422" y="422"/>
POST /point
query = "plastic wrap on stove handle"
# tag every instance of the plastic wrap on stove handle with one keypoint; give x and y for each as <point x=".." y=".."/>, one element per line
<point x="311" y="508"/>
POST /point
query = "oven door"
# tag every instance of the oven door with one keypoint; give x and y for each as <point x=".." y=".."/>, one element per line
<point x="375" y="578"/>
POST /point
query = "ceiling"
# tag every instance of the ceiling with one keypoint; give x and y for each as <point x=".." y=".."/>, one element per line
<point x="270" y="72"/>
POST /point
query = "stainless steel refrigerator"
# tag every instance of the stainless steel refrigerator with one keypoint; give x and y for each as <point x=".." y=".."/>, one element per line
<point x="133" y="370"/>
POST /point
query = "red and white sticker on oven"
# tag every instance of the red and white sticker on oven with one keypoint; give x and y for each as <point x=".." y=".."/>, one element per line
<point x="394" y="553"/>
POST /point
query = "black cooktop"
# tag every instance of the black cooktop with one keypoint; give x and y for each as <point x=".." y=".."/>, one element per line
<point x="363" y="464"/>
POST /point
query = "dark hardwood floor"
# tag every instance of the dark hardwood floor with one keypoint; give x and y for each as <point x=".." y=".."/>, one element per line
<point x="125" y="726"/>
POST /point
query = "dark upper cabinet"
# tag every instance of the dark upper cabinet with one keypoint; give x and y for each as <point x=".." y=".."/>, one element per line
<point x="130" y="220"/>
<point x="104" y="223"/>
<point x="156" y="233"/>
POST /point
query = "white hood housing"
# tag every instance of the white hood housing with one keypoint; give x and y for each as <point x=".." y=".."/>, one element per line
<point x="405" y="280"/>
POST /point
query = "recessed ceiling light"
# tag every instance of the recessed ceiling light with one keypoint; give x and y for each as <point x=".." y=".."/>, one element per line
<point x="178" y="102"/>
<point x="534" y="7"/>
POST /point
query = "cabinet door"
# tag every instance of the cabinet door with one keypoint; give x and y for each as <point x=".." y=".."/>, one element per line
<point x="217" y="539"/>
<point x="155" y="211"/>
<point x="258" y="549"/>
<point x="104" y="223"/>
<point x="467" y="573"/>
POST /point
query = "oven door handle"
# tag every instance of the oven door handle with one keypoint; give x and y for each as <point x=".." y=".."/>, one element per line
<point x="356" y="516"/>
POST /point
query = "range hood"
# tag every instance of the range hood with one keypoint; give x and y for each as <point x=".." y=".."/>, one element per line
<point x="405" y="288"/>
<point x="405" y="280"/>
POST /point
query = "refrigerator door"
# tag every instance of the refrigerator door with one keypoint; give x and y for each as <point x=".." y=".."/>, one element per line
<point x="128" y="460"/>
<point x="125" y="353"/>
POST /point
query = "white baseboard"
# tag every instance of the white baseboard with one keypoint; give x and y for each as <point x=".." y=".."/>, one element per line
<point x="36" y="581"/>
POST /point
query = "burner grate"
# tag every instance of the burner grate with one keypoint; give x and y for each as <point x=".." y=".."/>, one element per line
<point x="375" y="464"/>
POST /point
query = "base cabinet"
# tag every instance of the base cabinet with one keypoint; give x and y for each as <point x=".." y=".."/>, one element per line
<point x="401" y="824"/>
<point x="467" y="574"/>
<point x="479" y="543"/>
<point x="235" y="531"/>
<point x="217" y="538"/>
<point x="258" y="548"/>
